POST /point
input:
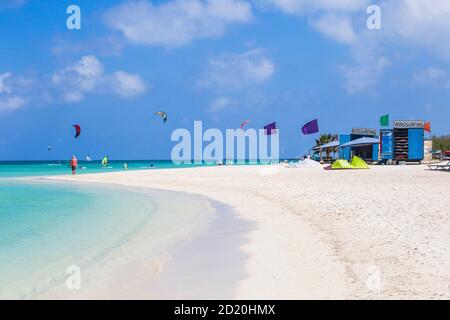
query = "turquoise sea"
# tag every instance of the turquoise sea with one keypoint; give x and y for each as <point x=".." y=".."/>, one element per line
<point x="47" y="226"/>
<point x="43" y="168"/>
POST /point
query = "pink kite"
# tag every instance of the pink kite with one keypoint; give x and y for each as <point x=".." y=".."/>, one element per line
<point x="243" y="124"/>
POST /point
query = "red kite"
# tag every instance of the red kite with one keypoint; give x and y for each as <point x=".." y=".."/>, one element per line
<point x="77" y="130"/>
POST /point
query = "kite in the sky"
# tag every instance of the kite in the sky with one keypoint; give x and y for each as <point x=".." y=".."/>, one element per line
<point x="162" y="114"/>
<point x="271" y="128"/>
<point x="243" y="124"/>
<point x="311" y="127"/>
<point x="77" y="130"/>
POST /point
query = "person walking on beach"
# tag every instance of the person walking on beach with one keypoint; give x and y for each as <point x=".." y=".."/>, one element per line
<point x="74" y="164"/>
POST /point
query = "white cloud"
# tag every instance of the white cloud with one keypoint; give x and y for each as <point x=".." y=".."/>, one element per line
<point x="72" y="84"/>
<point x="176" y="23"/>
<point x="235" y="71"/>
<point x="416" y="24"/>
<point x="88" y="76"/>
<point x="3" y="87"/>
<point x="432" y="76"/>
<point x="411" y="24"/>
<point x="303" y="7"/>
<point x="11" y="4"/>
<point x="88" y="66"/>
<point x="110" y="45"/>
<point x="364" y="76"/>
<point x="331" y="17"/>
<point x="219" y="104"/>
<point x="128" y="85"/>
<point x="83" y="77"/>
<point x="336" y="27"/>
<point x="11" y="103"/>
<point x="9" y="100"/>
<point x="73" y="96"/>
<point x="434" y="73"/>
<point x="419" y="23"/>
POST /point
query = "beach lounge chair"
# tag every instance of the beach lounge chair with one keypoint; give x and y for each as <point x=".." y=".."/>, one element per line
<point x="443" y="167"/>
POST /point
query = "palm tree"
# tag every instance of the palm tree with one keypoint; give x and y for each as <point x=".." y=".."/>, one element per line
<point x="323" y="139"/>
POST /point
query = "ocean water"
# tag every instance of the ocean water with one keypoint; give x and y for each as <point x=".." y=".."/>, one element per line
<point x="45" y="227"/>
<point x="44" y="168"/>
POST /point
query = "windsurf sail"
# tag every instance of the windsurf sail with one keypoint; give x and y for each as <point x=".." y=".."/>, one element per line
<point x="162" y="114"/>
<point x="77" y="130"/>
<point x="105" y="162"/>
<point x="244" y="123"/>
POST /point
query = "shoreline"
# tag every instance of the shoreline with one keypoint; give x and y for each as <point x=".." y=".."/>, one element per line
<point x="284" y="256"/>
<point x="146" y="251"/>
<point x="149" y="248"/>
<point x="191" y="263"/>
<point x="321" y="234"/>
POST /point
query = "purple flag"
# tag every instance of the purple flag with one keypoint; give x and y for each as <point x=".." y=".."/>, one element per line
<point x="311" y="127"/>
<point x="271" y="128"/>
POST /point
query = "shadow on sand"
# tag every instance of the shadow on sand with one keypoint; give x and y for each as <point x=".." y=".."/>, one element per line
<point x="212" y="264"/>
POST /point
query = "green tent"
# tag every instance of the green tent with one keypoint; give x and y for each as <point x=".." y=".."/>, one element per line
<point x="341" y="164"/>
<point x="359" y="163"/>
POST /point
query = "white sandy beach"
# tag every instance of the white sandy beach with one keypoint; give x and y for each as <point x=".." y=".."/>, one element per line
<point x="306" y="233"/>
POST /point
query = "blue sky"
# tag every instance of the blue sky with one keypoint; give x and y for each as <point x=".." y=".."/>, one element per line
<point x="221" y="62"/>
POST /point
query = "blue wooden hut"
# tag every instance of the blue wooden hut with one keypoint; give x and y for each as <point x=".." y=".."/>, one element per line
<point x="368" y="151"/>
<point x="404" y="142"/>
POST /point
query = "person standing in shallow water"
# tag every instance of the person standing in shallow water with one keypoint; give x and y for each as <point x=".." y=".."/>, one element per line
<point x="74" y="165"/>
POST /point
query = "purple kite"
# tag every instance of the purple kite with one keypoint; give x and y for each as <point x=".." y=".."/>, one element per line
<point x="311" y="127"/>
<point x="271" y="128"/>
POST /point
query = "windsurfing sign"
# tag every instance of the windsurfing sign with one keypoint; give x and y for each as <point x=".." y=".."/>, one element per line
<point x="409" y="124"/>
